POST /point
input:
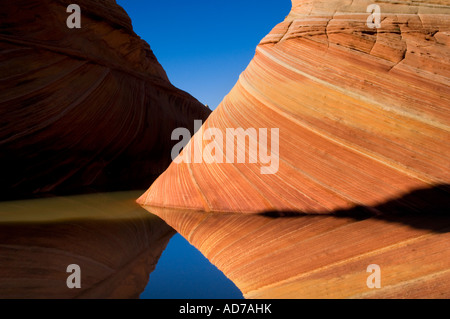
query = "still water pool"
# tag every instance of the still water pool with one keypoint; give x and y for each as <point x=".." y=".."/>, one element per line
<point x="122" y="252"/>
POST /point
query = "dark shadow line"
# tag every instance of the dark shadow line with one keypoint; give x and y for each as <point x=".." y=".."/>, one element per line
<point x="427" y="208"/>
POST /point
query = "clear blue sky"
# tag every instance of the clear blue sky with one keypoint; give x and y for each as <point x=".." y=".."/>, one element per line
<point x="204" y="45"/>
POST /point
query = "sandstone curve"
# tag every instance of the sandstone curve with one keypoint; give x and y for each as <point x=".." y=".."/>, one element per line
<point x="364" y="122"/>
<point x="363" y="114"/>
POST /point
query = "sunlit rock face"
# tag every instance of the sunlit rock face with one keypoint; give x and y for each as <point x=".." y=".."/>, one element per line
<point x="362" y="113"/>
<point x="363" y="178"/>
<point x="115" y="242"/>
<point x="82" y="108"/>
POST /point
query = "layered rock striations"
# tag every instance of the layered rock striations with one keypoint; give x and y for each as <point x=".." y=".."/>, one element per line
<point x="363" y="176"/>
<point x="363" y="114"/>
<point x="82" y="108"/>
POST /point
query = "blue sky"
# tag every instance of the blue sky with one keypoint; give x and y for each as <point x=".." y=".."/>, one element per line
<point x="204" y="45"/>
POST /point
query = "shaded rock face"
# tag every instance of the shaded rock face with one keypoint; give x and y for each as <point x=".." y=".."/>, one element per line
<point x="363" y="114"/>
<point x="115" y="242"/>
<point x="82" y="108"/>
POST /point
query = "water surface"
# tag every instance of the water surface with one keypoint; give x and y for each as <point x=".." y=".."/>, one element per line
<point x="184" y="273"/>
<point x="122" y="250"/>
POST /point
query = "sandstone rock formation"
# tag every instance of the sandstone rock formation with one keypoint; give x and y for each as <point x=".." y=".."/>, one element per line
<point x="115" y="242"/>
<point x="363" y="113"/>
<point x="364" y="123"/>
<point x="82" y="108"/>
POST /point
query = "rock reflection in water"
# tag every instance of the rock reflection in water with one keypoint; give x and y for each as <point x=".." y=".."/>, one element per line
<point x="116" y="243"/>
<point x="319" y="256"/>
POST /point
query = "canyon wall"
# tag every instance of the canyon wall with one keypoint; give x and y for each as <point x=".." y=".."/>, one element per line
<point x="83" y="109"/>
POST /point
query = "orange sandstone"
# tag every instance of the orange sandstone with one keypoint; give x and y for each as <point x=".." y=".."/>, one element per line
<point x="363" y="113"/>
<point x="364" y="172"/>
